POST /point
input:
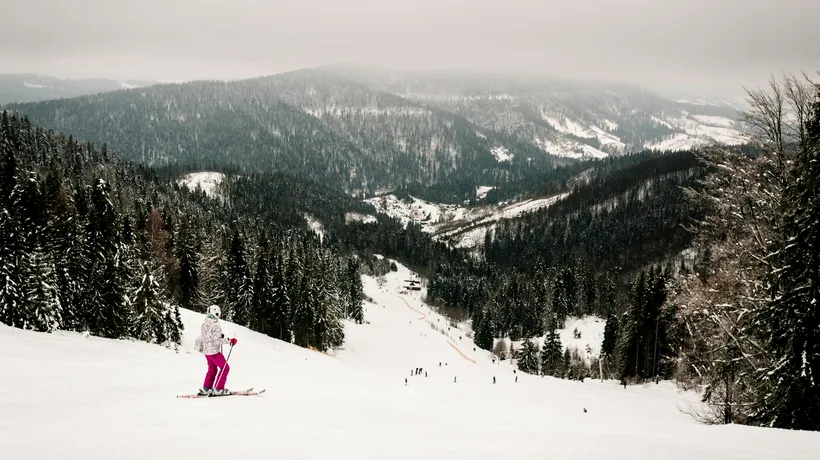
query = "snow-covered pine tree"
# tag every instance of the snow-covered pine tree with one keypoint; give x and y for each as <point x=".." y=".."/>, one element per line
<point x="790" y="321"/>
<point x="40" y="304"/>
<point x="632" y="344"/>
<point x="262" y="302"/>
<point x="238" y="283"/>
<point x="566" y="364"/>
<point x="327" y="330"/>
<point x="610" y="336"/>
<point x="211" y="273"/>
<point x="279" y="322"/>
<point x="484" y="335"/>
<point x="528" y="359"/>
<point x="106" y="310"/>
<point x="187" y="252"/>
<point x="356" y="292"/>
<point x="551" y="353"/>
<point x="65" y="242"/>
<point x="152" y="314"/>
<point x="304" y="310"/>
<point x="11" y="245"/>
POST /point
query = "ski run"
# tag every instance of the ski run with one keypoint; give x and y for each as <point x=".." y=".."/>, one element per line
<point x="68" y="396"/>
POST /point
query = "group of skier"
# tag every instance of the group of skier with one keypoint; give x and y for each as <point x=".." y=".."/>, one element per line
<point x="417" y="371"/>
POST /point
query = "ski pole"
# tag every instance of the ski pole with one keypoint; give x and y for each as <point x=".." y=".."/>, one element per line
<point x="221" y="371"/>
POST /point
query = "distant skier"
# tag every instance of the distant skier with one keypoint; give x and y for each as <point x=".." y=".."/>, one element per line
<point x="454" y="379"/>
<point x="516" y="379"/>
<point x="425" y="374"/>
<point x="493" y="380"/>
<point x="212" y="340"/>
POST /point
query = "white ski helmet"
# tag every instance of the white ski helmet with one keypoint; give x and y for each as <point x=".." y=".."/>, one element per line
<point x="215" y="311"/>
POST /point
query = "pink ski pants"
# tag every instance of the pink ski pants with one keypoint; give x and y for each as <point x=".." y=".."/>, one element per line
<point x="214" y="362"/>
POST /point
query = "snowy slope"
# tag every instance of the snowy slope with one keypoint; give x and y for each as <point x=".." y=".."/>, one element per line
<point x="207" y="181"/>
<point x="462" y="227"/>
<point x="66" y="396"/>
<point x="588" y="346"/>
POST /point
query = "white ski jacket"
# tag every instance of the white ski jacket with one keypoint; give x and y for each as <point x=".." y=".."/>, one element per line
<point x="212" y="337"/>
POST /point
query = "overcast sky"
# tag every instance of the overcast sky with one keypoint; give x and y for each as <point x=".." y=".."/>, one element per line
<point x="664" y="44"/>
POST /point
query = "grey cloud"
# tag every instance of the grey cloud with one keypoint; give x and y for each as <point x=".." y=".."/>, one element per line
<point x="694" y="43"/>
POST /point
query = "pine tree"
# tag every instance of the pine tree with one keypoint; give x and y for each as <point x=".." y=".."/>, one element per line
<point x="211" y="273"/>
<point x="11" y="244"/>
<point x="304" y="313"/>
<point x="632" y="343"/>
<point x="106" y="310"/>
<point x="188" y="254"/>
<point x="484" y="335"/>
<point x="261" y="310"/>
<point x="239" y="284"/>
<point x="65" y="242"/>
<point x="528" y="360"/>
<point x="279" y="322"/>
<point x="356" y="292"/>
<point x="610" y="336"/>
<point x="41" y="303"/>
<point x="789" y="322"/>
<point x="551" y="354"/>
<point x="566" y="364"/>
<point x="150" y="311"/>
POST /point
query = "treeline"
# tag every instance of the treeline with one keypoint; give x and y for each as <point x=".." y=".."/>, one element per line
<point x="95" y="244"/>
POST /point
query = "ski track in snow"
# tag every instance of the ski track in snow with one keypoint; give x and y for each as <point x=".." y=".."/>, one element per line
<point x="67" y="396"/>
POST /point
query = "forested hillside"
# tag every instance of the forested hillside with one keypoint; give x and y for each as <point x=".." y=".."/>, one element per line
<point x="92" y="243"/>
<point x="306" y="123"/>
<point x="439" y="136"/>
<point x="583" y="252"/>
<point x="572" y="119"/>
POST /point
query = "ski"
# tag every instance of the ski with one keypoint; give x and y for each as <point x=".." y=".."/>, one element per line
<point x="248" y="392"/>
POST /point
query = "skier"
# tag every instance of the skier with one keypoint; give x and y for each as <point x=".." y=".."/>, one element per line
<point x="212" y="340"/>
<point x="493" y="380"/>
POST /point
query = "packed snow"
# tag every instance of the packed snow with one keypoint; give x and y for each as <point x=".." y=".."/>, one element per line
<point x="697" y="130"/>
<point x="482" y="191"/>
<point x="590" y="331"/>
<point x="569" y="148"/>
<point x="315" y="225"/>
<point x="357" y="217"/>
<point x="501" y="154"/>
<point x="33" y="85"/>
<point x="207" y="181"/>
<point x="69" y="396"/>
<point x="566" y="126"/>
